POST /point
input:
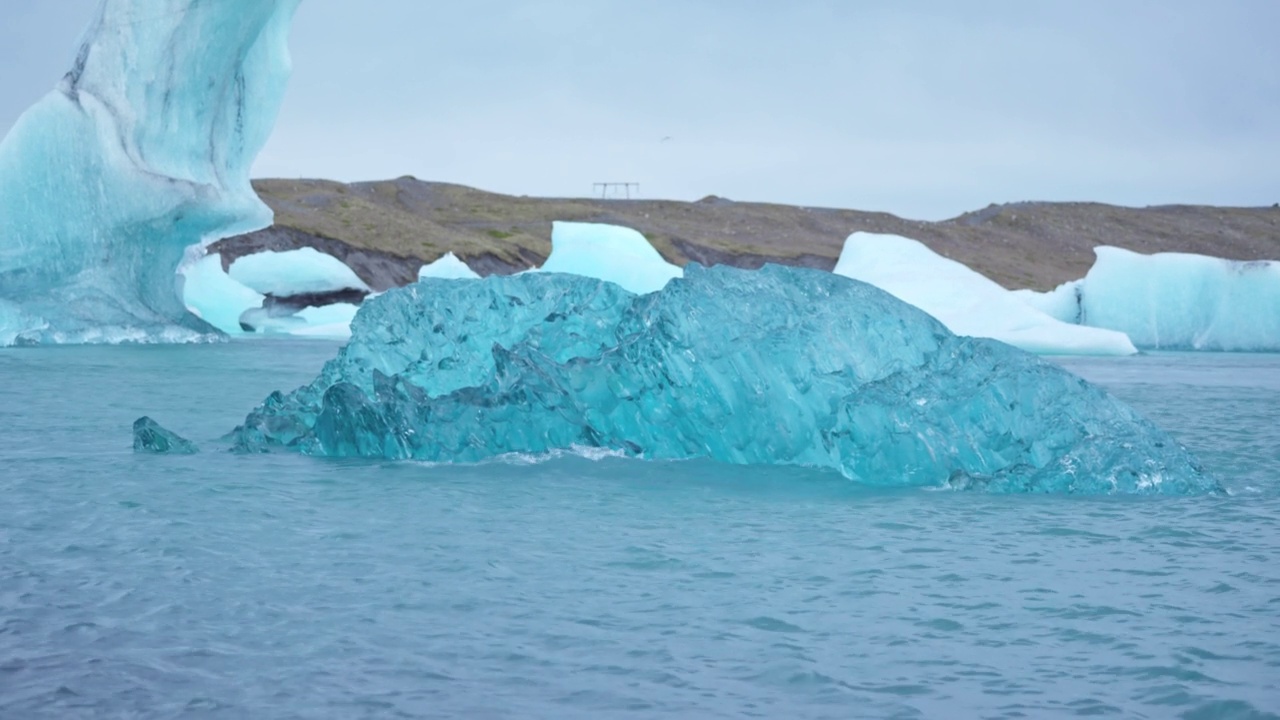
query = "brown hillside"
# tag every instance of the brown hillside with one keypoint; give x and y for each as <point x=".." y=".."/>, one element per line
<point x="386" y="230"/>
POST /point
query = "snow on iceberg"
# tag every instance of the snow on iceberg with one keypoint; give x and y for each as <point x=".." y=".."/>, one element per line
<point x="305" y="271"/>
<point x="777" y="366"/>
<point x="448" y="267"/>
<point x="967" y="302"/>
<point x="1176" y="301"/>
<point x="143" y="149"/>
<point x="608" y="252"/>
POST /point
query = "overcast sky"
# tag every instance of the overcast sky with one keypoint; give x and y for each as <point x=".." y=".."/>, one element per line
<point x="925" y="108"/>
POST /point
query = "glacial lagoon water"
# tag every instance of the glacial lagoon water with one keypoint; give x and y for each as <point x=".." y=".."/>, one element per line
<point x="281" y="586"/>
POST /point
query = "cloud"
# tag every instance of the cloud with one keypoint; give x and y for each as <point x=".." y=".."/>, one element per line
<point x="926" y="109"/>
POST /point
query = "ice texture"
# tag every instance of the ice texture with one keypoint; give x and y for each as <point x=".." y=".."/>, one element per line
<point x="1175" y="301"/>
<point x="295" y="272"/>
<point x="150" y="437"/>
<point x="778" y="366"/>
<point x="448" y="267"/>
<point x="143" y="149"/>
<point x="967" y="302"/>
<point x="608" y="252"/>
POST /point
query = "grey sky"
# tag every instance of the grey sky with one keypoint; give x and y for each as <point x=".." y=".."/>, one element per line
<point x="925" y="108"/>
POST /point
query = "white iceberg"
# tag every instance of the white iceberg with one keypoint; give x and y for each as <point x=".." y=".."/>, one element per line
<point x="305" y="271"/>
<point x="608" y="252"/>
<point x="1175" y="301"/>
<point x="142" y="150"/>
<point x="448" y="267"/>
<point x="967" y="302"/>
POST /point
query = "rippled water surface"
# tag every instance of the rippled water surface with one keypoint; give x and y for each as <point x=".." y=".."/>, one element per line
<point x="285" y="587"/>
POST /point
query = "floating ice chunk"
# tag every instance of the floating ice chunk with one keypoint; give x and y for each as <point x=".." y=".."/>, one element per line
<point x="608" y="252"/>
<point x="1179" y="301"/>
<point x="783" y="366"/>
<point x="214" y="296"/>
<point x="295" y="272"/>
<point x="150" y="437"/>
<point x="965" y="301"/>
<point x="143" y="149"/>
<point x="448" y="267"/>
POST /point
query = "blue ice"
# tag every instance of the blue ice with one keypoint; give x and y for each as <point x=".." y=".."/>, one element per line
<point x="143" y="149"/>
<point x="782" y="366"/>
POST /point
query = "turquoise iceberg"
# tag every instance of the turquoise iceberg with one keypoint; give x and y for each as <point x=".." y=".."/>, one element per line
<point x="777" y="366"/>
<point x="142" y="150"/>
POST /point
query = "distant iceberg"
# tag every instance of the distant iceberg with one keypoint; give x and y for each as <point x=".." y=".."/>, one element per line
<point x="448" y="267"/>
<point x="305" y="271"/>
<point x="1174" y="301"/>
<point x="142" y="150"/>
<point x="608" y="252"/>
<point x="965" y="301"/>
<point x="213" y="295"/>
<point x="781" y="366"/>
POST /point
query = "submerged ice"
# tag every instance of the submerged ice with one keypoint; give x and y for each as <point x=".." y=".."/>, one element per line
<point x="142" y="150"/>
<point x="779" y="366"/>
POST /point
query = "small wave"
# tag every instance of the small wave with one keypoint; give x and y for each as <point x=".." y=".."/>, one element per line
<point x="593" y="454"/>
